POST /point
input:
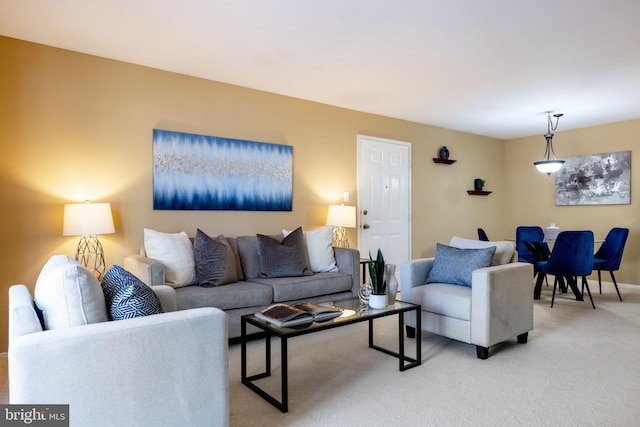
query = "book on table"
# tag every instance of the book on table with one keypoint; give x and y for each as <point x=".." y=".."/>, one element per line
<point x="299" y="314"/>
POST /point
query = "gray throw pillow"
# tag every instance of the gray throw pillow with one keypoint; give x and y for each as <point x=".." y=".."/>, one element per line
<point x="455" y="266"/>
<point x="283" y="259"/>
<point x="214" y="259"/>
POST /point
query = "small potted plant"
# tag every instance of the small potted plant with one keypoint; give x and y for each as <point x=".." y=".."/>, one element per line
<point x="378" y="298"/>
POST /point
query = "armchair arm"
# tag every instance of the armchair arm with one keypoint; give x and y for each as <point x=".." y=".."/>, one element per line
<point x="414" y="273"/>
<point x="163" y="370"/>
<point x="348" y="261"/>
<point x="149" y="270"/>
<point x="502" y="303"/>
<point x="23" y="319"/>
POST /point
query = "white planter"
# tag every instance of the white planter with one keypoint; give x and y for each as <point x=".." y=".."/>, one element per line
<point x="377" y="301"/>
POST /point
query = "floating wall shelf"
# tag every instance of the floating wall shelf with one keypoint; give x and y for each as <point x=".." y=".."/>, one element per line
<point x="478" y="193"/>
<point x="443" y="161"/>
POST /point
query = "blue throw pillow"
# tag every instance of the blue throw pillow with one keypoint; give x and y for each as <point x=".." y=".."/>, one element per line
<point x="454" y="265"/>
<point x="128" y="297"/>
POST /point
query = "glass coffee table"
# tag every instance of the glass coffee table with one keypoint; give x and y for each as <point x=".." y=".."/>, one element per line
<point x="353" y="312"/>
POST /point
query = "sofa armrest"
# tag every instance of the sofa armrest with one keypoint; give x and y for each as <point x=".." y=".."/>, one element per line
<point x="167" y="296"/>
<point x="348" y="261"/>
<point x="166" y="369"/>
<point x="502" y="303"/>
<point x="414" y="273"/>
<point x="149" y="270"/>
<point x="22" y="314"/>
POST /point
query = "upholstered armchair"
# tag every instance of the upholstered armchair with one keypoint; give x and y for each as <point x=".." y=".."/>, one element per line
<point x="163" y="369"/>
<point x="482" y="306"/>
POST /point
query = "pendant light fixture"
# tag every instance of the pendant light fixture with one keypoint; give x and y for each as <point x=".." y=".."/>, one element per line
<point x="548" y="165"/>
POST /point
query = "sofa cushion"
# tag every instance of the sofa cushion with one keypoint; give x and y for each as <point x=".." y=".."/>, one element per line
<point x="68" y="294"/>
<point x="128" y="297"/>
<point x="175" y="252"/>
<point x="504" y="249"/>
<point x="214" y="259"/>
<point x="283" y="259"/>
<point x="455" y="266"/>
<point x="297" y="288"/>
<point x="234" y="295"/>
<point x="249" y="255"/>
<point x="233" y="244"/>
<point x="443" y="299"/>
<point x="319" y="249"/>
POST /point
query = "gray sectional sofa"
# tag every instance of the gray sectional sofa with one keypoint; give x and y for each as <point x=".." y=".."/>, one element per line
<point x="252" y="291"/>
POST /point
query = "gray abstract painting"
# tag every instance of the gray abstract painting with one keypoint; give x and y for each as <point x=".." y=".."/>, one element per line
<point x="595" y="179"/>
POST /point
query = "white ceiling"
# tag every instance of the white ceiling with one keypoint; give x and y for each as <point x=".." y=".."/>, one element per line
<point x="487" y="67"/>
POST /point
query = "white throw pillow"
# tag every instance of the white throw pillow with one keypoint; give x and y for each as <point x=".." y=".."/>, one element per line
<point x="68" y="294"/>
<point x="175" y="251"/>
<point x="504" y="248"/>
<point x="319" y="248"/>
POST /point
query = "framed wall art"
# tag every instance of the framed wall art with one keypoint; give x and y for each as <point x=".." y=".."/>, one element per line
<point x="198" y="172"/>
<point x="595" y="179"/>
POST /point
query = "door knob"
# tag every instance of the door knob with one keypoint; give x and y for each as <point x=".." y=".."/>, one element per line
<point x="365" y="226"/>
<point x="364" y="212"/>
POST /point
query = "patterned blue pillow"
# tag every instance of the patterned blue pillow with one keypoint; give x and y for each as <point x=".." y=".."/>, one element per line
<point x="126" y="296"/>
<point x="454" y="265"/>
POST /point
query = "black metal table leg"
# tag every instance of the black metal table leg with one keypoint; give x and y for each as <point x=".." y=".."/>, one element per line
<point x="412" y="363"/>
<point x="285" y="375"/>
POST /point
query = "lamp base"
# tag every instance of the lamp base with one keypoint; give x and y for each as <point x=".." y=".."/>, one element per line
<point x="90" y="254"/>
<point x="340" y="238"/>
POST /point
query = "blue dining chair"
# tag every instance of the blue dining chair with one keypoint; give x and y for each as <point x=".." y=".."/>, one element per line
<point x="529" y="234"/>
<point x="572" y="257"/>
<point x="609" y="255"/>
<point x="526" y="237"/>
<point x="482" y="235"/>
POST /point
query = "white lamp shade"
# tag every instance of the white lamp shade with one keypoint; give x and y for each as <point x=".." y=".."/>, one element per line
<point x="87" y="219"/>
<point x="341" y="216"/>
<point x="549" y="166"/>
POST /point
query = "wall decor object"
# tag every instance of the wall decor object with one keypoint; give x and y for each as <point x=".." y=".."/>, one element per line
<point x="198" y="172"/>
<point x="595" y="179"/>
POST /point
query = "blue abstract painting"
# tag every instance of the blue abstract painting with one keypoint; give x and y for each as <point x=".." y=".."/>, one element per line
<point x="198" y="172"/>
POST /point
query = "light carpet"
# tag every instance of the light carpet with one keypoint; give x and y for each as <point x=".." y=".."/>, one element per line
<point x="579" y="368"/>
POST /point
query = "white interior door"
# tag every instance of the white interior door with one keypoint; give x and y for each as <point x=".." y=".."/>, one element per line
<point x="384" y="198"/>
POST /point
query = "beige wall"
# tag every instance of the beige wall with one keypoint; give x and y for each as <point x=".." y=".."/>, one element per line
<point x="530" y="195"/>
<point x="75" y="127"/>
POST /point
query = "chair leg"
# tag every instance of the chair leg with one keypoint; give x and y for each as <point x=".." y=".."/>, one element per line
<point x="553" y="296"/>
<point x="599" y="282"/>
<point x="538" y="289"/>
<point x="614" y="284"/>
<point x="584" y="283"/>
<point x="482" y="352"/>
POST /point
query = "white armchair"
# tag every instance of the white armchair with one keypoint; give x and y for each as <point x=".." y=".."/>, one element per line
<point x="161" y="370"/>
<point x="497" y="306"/>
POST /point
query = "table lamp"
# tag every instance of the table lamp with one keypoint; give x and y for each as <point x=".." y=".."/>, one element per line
<point x="341" y="216"/>
<point x="88" y="220"/>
